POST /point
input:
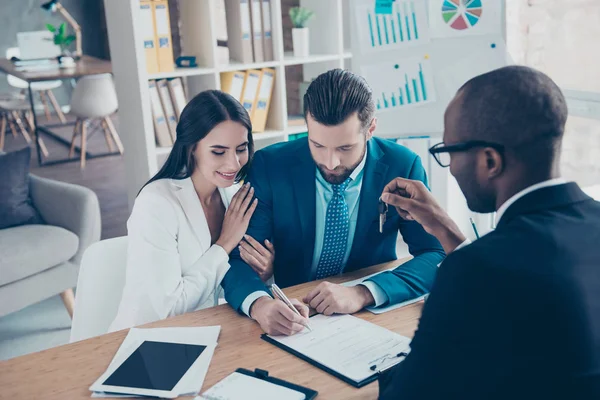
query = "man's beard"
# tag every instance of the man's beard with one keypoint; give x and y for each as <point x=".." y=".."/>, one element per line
<point x="342" y="173"/>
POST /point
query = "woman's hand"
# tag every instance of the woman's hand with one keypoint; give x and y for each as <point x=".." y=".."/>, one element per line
<point x="259" y="257"/>
<point x="237" y="218"/>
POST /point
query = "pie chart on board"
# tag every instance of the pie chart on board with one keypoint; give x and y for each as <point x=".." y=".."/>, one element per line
<point x="461" y="14"/>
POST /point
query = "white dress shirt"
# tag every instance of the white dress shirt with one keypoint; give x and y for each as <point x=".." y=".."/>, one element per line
<point x="172" y="268"/>
<point x="514" y="198"/>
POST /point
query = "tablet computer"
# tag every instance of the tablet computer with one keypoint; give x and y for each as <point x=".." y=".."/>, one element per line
<point x="151" y="369"/>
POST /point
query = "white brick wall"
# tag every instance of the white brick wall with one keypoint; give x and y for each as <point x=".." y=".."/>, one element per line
<point x="562" y="38"/>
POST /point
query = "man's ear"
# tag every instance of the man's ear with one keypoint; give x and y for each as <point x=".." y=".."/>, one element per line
<point x="372" y="128"/>
<point x="494" y="162"/>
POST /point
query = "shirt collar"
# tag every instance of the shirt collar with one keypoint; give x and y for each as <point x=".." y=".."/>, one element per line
<point x="532" y="188"/>
<point x="359" y="168"/>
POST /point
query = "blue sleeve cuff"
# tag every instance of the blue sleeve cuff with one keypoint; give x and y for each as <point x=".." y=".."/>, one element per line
<point x="377" y="292"/>
<point x="252" y="297"/>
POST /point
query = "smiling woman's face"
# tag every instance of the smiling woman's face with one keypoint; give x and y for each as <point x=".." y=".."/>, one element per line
<point x="222" y="153"/>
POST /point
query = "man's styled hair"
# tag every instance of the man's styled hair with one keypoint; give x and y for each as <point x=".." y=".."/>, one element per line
<point x="337" y="94"/>
<point x="518" y="107"/>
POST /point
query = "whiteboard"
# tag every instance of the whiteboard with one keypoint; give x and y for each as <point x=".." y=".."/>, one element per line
<point x="403" y="56"/>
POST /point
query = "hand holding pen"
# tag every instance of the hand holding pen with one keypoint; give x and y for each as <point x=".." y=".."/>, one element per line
<point x="278" y="293"/>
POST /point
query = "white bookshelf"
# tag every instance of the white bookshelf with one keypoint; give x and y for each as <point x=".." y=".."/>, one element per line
<point x="202" y="23"/>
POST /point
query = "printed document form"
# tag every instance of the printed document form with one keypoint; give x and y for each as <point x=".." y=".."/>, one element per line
<point x="348" y="345"/>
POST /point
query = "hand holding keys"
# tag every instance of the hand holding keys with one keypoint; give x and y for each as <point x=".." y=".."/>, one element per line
<point x="383" y="209"/>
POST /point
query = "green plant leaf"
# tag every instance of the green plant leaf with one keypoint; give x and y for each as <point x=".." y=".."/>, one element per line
<point x="57" y="40"/>
<point x="300" y="16"/>
<point x="51" y="28"/>
<point x="69" y="40"/>
<point x="62" y="29"/>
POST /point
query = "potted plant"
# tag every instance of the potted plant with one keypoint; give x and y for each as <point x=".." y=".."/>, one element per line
<point x="300" y="16"/>
<point x="62" y="40"/>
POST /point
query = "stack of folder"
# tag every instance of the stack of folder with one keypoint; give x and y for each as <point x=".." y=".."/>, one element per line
<point x="167" y="99"/>
<point x="156" y="35"/>
<point x="254" y="89"/>
<point x="249" y="33"/>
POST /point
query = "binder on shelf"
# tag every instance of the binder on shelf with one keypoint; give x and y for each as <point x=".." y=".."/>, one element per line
<point x="178" y="97"/>
<point x="167" y="105"/>
<point x="250" y="90"/>
<point x="233" y="83"/>
<point x="166" y="63"/>
<point x="267" y="31"/>
<point x="161" y="129"/>
<point x="257" y="30"/>
<point x="239" y="30"/>
<point x="148" y="36"/>
<point x="260" y="110"/>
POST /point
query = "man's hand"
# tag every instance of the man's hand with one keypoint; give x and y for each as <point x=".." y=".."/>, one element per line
<point x="329" y="298"/>
<point x="414" y="202"/>
<point x="275" y="318"/>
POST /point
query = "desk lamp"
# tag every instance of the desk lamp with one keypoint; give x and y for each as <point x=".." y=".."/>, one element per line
<point x="53" y="6"/>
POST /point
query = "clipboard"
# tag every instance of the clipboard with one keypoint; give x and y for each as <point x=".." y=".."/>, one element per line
<point x="327" y="346"/>
<point x="263" y="375"/>
<point x="356" y="384"/>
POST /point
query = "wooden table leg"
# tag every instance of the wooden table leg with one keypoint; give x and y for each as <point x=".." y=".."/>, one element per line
<point x="83" y="142"/>
<point x="21" y="126"/>
<point x="68" y="298"/>
<point x="56" y="107"/>
<point x="107" y="134"/>
<point x="75" y="133"/>
<point x="114" y="134"/>
<point x="45" y="104"/>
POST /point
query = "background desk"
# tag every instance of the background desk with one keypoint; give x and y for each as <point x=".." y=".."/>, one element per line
<point x="66" y="372"/>
<point x="86" y="65"/>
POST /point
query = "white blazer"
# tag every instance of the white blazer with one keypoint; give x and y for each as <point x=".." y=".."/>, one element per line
<point x="171" y="266"/>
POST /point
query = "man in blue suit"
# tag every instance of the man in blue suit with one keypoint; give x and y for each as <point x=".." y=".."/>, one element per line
<point x="318" y="204"/>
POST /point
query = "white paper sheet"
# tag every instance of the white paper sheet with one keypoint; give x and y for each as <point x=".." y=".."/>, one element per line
<point x="243" y="387"/>
<point x="192" y="381"/>
<point x="381" y="310"/>
<point x="348" y="345"/>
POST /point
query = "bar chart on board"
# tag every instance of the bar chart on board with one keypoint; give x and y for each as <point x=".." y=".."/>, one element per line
<point x="406" y="25"/>
<point x="405" y="83"/>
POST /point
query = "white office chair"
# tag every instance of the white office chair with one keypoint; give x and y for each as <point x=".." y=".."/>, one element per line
<point x="99" y="288"/>
<point x="43" y="88"/>
<point x="94" y="98"/>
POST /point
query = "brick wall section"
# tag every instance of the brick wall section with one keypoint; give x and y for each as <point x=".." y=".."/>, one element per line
<point x="174" y="20"/>
<point x="293" y="73"/>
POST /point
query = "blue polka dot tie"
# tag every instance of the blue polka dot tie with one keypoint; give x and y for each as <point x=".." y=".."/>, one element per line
<point x="337" y="221"/>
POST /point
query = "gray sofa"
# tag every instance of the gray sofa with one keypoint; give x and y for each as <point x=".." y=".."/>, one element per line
<point x="40" y="261"/>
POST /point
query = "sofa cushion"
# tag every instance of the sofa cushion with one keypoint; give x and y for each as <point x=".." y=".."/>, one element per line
<point x="16" y="207"/>
<point x="29" y="249"/>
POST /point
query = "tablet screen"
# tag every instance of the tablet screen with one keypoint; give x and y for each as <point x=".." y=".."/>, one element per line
<point x="155" y="365"/>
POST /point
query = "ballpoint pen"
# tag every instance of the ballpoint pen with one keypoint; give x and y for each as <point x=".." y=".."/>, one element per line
<point x="281" y="296"/>
<point x="474" y="227"/>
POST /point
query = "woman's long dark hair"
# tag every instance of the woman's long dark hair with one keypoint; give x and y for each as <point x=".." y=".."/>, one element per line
<point x="198" y="118"/>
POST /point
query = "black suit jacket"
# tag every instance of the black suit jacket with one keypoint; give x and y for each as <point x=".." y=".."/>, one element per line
<point x="516" y="314"/>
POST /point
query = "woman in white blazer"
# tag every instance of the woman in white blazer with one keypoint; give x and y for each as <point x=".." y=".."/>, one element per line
<point x="190" y="216"/>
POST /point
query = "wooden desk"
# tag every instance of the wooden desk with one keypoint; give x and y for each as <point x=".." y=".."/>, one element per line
<point x="67" y="372"/>
<point x="86" y="65"/>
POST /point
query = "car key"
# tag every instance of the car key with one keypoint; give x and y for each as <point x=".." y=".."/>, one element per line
<point x="383" y="209"/>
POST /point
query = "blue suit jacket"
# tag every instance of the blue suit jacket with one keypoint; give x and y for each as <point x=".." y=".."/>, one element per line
<point x="283" y="177"/>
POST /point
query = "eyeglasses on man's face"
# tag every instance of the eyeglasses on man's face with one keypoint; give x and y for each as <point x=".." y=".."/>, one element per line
<point x="441" y="152"/>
